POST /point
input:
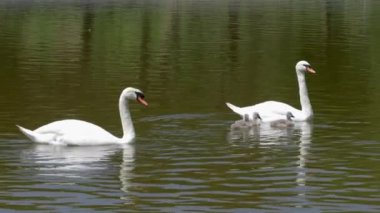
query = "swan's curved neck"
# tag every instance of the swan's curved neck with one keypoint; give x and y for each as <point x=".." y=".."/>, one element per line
<point x="304" y="97"/>
<point x="126" y="120"/>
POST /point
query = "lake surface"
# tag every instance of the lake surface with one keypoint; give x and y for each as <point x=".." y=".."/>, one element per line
<point x="71" y="59"/>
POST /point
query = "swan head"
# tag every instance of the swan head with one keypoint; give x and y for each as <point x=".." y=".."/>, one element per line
<point x="131" y="93"/>
<point x="303" y="67"/>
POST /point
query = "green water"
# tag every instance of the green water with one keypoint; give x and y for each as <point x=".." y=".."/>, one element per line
<point x="71" y="59"/>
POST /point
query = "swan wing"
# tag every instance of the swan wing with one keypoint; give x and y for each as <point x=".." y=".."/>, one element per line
<point x="75" y="132"/>
<point x="268" y="111"/>
<point x="270" y="107"/>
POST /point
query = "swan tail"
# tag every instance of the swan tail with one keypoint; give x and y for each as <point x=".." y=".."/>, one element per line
<point x="234" y="108"/>
<point x="28" y="133"/>
<point x="37" y="137"/>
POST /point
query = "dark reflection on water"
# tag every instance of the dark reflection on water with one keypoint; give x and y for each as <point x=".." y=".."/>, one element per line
<point x="71" y="59"/>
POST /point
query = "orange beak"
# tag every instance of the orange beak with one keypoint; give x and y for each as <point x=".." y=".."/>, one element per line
<point x="142" y="101"/>
<point x="310" y="70"/>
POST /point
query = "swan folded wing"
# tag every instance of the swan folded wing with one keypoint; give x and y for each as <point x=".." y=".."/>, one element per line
<point x="76" y="132"/>
<point x="270" y="111"/>
<point x="270" y="107"/>
<point x="47" y="137"/>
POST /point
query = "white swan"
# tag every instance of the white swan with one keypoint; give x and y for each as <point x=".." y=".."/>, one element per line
<point x="77" y="132"/>
<point x="273" y="110"/>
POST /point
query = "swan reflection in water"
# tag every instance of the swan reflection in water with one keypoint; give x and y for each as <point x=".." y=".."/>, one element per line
<point x="306" y="131"/>
<point x="71" y="165"/>
<point x="266" y="135"/>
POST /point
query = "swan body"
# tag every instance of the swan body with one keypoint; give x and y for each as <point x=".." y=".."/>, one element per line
<point x="274" y="110"/>
<point x="78" y="132"/>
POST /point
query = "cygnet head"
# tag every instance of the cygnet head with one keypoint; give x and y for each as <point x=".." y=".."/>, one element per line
<point x="289" y="116"/>
<point x="303" y="67"/>
<point x="131" y="93"/>
<point x="246" y="118"/>
<point x="256" y="116"/>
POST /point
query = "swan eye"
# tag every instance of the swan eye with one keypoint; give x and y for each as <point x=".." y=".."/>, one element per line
<point x="140" y="95"/>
